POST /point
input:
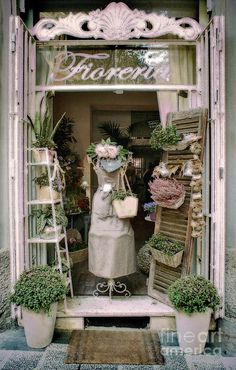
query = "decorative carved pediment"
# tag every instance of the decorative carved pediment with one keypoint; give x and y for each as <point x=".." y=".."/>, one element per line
<point x="116" y="22"/>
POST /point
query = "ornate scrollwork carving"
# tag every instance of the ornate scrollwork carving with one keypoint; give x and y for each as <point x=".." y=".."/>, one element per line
<point x="116" y="22"/>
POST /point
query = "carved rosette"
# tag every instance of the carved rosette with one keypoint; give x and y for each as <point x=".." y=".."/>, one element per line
<point x="116" y="22"/>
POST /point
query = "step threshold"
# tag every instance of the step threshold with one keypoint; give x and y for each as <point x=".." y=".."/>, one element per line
<point x="135" y="306"/>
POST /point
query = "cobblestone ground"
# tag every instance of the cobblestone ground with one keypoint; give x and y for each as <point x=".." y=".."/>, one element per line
<point x="16" y="355"/>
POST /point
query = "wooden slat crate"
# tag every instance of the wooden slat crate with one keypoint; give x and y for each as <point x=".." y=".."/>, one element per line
<point x="176" y="223"/>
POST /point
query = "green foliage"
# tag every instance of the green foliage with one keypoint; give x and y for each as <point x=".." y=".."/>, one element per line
<point x="45" y="217"/>
<point x="193" y="294"/>
<point x="112" y="130"/>
<point x="91" y="151"/>
<point x="43" y="127"/>
<point x="122" y="194"/>
<point x="162" y="136"/>
<point x="76" y="245"/>
<point x="64" y="137"/>
<point x="165" y="245"/>
<point x="42" y="180"/>
<point x="38" y="288"/>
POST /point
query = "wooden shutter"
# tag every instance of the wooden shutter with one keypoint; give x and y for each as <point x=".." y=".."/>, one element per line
<point x="176" y="223"/>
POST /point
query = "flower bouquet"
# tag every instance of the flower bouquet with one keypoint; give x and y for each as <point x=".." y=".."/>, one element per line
<point x="108" y="154"/>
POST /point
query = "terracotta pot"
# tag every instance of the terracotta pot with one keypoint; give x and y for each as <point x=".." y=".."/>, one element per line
<point x="192" y="331"/>
<point x="39" y="327"/>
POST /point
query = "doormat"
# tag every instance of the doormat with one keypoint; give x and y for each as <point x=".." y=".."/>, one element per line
<point x="114" y="347"/>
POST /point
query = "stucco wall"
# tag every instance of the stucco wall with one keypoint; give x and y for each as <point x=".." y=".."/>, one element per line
<point x="4" y="223"/>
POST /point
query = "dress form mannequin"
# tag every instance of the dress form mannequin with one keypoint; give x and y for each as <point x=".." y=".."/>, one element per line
<point x="111" y="240"/>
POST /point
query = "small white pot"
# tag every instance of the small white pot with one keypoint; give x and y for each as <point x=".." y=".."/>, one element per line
<point x="192" y="331"/>
<point x="40" y="155"/>
<point x="49" y="232"/>
<point x="45" y="195"/>
<point x="39" y="327"/>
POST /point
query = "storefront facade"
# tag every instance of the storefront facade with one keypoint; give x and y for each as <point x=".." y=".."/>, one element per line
<point x="206" y="92"/>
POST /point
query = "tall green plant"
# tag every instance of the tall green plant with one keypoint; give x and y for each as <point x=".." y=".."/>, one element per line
<point x="42" y="126"/>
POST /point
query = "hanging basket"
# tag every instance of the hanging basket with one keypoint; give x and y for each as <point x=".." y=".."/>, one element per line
<point x="79" y="256"/>
<point x="126" y="208"/>
<point x="175" y="205"/>
<point x="172" y="261"/>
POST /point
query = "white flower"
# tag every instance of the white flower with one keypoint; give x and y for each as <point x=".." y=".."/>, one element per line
<point x="101" y="151"/>
<point x="113" y="151"/>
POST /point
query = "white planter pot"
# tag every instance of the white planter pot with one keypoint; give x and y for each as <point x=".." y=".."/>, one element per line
<point x="39" y="327"/>
<point x="192" y="331"/>
<point x="45" y="195"/>
<point x="40" y="155"/>
<point x="49" y="232"/>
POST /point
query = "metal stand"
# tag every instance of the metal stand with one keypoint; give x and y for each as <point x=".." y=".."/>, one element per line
<point x="111" y="286"/>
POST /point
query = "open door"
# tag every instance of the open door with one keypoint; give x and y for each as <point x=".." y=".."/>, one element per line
<point x="22" y="59"/>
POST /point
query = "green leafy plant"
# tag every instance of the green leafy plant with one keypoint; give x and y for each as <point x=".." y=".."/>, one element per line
<point x="38" y="288"/>
<point x="193" y="294"/>
<point x="76" y="245"/>
<point x="162" y="136"/>
<point x="165" y="245"/>
<point x="114" y="131"/>
<point x="43" y="127"/>
<point x="64" y="137"/>
<point x="45" y="217"/>
<point x="122" y="194"/>
<point x="42" y="180"/>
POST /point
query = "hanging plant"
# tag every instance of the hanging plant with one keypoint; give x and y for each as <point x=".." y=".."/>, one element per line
<point x="168" y="193"/>
<point x="164" y="136"/>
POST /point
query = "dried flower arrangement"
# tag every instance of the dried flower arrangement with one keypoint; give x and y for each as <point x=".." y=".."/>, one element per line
<point x="107" y="149"/>
<point x="168" y="193"/>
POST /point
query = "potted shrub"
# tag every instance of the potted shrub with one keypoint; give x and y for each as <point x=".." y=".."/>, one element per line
<point x="44" y="132"/>
<point x="125" y="203"/>
<point x="194" y="299"/>
<point x="150" y="208"/>
<point x="37" y="292"/>
<point x="166" y="251"/>
<point x="45" y="224"/>
<point x="43" y="188"/>
<point x="164" y="137"/>
<point x="168" y="193"/>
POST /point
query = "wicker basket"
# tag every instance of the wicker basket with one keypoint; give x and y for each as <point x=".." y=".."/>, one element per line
<point x="176" y="205"/>
<point x="126" y="208"/>
<point x="173" y="261"/>
<point x="79" y="256"/>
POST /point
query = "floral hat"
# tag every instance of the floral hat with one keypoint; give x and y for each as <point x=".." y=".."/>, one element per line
<point x="109" y="155"/>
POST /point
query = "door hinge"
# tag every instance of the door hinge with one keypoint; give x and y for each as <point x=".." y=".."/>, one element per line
<point x="221" y="172"/>
<point x="13" y="42"/>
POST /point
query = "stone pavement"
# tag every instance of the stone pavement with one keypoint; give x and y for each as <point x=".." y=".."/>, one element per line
<point x="16" y="355"/>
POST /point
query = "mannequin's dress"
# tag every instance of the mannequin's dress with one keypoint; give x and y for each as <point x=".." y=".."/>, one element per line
<point x="111" y="240"/>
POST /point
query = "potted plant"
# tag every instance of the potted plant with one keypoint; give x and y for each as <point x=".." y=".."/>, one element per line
<point x="44" y="192"/>
<point x="44" y="132"/>
<point x="166" y="251"/>
<point x="78" y="250"/>
<point x="194" y="299"/>
<point x="125" y="203"/>
<point x="164" y="137"/>
<point x="150" y="208"/>
<point x="168" y="193"/>
<point x="37" y="292"/>
<point x="45" y="223"/>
